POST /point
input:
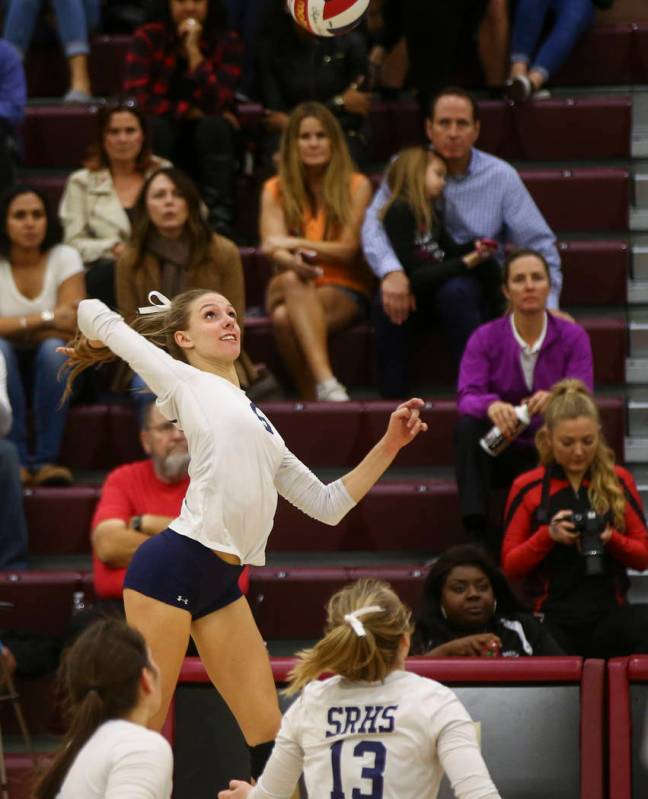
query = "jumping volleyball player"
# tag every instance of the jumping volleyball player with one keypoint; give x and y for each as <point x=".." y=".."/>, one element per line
<point x="183" y="581"/>
<point x="373" y="729"/>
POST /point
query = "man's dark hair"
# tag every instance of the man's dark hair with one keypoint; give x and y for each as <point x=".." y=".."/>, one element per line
<point x="454" y="91"/>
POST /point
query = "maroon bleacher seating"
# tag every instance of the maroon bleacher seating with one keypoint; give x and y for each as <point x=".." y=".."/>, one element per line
<point x="640" y="51"/>
<point x="423" y="510"/>
<point x="594" y="273"/>
<point x="396" y="516"/>
<point x="47" y="72"/>
<point x="581" y="199"/>
<point x="290" y="603"/>
<point x="595" y="199"/>
<point x="20" y="775"/>
<point x="352" y="352"/>
<point x="42" y="599"/>
<point x="604" y="56"/>
<point x="59" y="520"/>
<point x="45" y="129"/>
<point x="559" y="128"/>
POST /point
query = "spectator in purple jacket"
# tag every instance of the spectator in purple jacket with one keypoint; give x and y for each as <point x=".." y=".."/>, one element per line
<point x="512" y="360"/>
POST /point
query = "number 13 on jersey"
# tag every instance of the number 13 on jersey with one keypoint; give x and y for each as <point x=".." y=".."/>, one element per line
<point x="374" y="756"/>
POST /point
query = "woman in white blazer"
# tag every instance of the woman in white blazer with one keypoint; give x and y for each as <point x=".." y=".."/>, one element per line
<point x="97" y="203"/>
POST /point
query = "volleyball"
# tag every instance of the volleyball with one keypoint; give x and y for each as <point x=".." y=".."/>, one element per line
<point x="327" y="17"/>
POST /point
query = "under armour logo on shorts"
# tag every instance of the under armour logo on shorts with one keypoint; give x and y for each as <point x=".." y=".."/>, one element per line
<point x="182" y="599"/>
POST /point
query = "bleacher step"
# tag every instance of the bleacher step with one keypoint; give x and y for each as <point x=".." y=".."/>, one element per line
<point x="636" y="371"/>
<point x="640" y="262"/>
<point x="638" y="222"/>
<point x="637" y="292"/>
<point x="637" y="411"/>
<point x="641" y="189"/>
<point x="636" y="450"/>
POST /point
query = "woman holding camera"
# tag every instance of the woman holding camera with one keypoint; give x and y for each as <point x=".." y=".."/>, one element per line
<point x="572" y="528"/>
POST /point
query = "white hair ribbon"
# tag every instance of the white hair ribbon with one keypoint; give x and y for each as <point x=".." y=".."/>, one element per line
<point x="158" y="304"/>
<point x="353" y="619"/>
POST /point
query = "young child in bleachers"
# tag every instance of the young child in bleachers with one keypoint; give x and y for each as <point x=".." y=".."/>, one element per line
<point x="430" y="257"/>
<point x="372" y="722"/>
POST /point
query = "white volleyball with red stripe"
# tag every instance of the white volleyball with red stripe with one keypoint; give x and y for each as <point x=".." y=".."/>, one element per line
<point x="327" y="17"/>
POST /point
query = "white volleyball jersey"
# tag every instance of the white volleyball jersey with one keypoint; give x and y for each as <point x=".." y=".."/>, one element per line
<point x="390" y="740"/>
<point x="121" y="760"/>
<point x="238" y="459"/>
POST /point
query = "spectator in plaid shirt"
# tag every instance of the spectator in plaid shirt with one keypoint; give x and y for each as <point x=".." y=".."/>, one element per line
<point x="183" y="71"/>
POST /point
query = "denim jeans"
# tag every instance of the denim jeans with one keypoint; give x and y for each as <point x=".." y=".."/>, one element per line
<point x="36" y="368"/>
<point x="572" y="18"/>
<point x="13" y="527"/>
<point x="75" y="19"/>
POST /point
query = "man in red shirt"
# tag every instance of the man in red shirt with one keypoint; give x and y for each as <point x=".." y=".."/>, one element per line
<point x="139" y="500"/>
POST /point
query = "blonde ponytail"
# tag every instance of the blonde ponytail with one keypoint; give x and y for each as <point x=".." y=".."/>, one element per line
<point x="365" y="625"/>
<point x="570" y="399"/>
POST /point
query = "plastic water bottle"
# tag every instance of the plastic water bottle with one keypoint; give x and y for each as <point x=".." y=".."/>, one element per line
<point x="495" y="442"/>
<point x="78" y="601"/>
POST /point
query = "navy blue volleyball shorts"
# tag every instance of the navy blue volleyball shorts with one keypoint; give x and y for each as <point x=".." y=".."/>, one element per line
<point x="182" y="572"/>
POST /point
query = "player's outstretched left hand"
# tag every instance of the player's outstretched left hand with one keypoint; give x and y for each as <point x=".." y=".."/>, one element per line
<point x="405" y="423"/>
<point x="237" y="790"/>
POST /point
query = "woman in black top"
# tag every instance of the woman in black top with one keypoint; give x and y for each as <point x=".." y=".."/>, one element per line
<point x="469" y="609"/>
<point x="295" y="66"/>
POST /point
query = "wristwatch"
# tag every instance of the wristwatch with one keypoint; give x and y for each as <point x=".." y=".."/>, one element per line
<point x="136" y="523"/>
<point x="47" y="317"/>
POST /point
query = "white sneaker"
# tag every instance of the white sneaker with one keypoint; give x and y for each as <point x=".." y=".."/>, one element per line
<point x="331" y="391"/>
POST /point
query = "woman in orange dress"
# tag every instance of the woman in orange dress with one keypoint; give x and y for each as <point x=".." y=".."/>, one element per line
<point x="311" y="215"/>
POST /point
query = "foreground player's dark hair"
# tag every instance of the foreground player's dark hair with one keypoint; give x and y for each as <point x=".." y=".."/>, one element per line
<point x="99" y="680"/>
<point x="342" y="651"/>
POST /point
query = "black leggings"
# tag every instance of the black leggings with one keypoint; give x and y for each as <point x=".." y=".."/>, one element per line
<point x="622" y="631"/>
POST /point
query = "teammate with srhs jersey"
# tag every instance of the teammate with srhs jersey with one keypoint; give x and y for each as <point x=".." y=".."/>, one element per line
<point x="372" y="730"/>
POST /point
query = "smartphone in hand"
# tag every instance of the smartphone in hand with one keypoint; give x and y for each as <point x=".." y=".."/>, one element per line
<point x="308" y="256"/>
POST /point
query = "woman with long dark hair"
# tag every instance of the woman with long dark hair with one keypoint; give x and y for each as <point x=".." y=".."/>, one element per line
<point x="98" y="202"/>
<point x="469" y="609"/>
<point x="183" y="70"/>
<point x="41" y="284"/>
<point x="111" y="691"/>
<point x="172" y="248"/>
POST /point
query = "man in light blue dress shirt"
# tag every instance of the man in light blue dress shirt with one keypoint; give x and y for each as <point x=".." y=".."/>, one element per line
<point x="484" y="197"/>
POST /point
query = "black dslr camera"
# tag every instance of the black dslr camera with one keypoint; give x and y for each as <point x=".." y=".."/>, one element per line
<point x="590" y="526"/>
